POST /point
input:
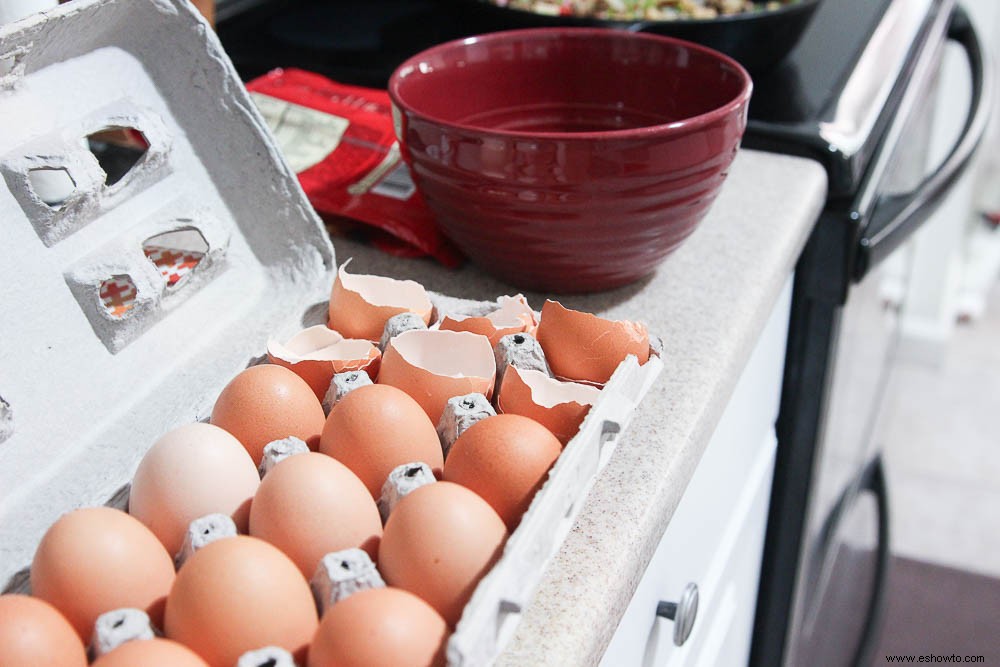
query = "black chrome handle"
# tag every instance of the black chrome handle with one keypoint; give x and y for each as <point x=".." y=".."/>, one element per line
<point x="682" y="613"/>
<point x="895" y="216"/>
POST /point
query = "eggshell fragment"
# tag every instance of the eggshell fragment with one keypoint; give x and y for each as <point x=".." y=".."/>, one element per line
<point x="114" y="628"/>
<point x="361" y="304"/>
<point x="318" y="353"/>
<point x="33" y="632"/>
<point x="439" y="541"/>
<point x="311" y="504"/>
<point x="512" y="315"/>
<point x="380" y="626"/>
<point x="432" y="366"/>
<point x="98" y="559"/>
<point x="151" y="653"/>
<point x="266" y="403"/>
<point x="376" y="428"/>
<point x="239" y="594"/>
<point x="556" y="405"/>
<point x="505" y="459"/>
<point x="585" y="347"/>
<point x="194" y="470"/>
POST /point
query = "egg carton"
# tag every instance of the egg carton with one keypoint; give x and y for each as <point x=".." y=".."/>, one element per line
<point x="92" y="377"/>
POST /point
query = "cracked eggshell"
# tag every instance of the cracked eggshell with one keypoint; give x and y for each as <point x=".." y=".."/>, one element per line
<point x="433" y="366"/>
<point x="33" y="632"/>
<point x="505" y="460"/>
<point x="376" y="428"/>
<point x="380" y="626"/>
<point x="311" y="504"/>
<point x="513" y="315"/>
<point x="439" y="541"/>
<point x="361" y="304"/>
<point x="238" y="594"/>
<point x="584" y="347"/>
<point x="558" y="406"/>
<point x="193" y="470"/>
<point x="151" y="653"/>
<point x="318" y="353"/>
<point x="266" y="403"/>
<point x="99" y="559"/>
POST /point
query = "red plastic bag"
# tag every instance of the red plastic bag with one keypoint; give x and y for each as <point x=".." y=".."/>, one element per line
<point x="340" y="141"/>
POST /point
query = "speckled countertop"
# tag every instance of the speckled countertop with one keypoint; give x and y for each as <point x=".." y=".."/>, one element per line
<point x="708" y="301"/>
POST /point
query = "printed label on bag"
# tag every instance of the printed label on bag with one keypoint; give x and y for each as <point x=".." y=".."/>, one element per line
<point x="305" y="136"/>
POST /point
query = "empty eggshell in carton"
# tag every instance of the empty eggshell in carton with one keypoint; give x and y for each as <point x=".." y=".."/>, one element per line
<point x="403" y="480"/>
<point x="361" y="304"/>
<point x="512" y="315"/>
<point x="341" y="574"/>
<point x="558" y="406"/>
<point x="202" y="532"/>
<point x="587" y="348"/>
<point x="397" y="324"/>
<point x="277" y="451"/>
<point x="521" y="350"/>
<point x="318" y="353"/>
<point x="433" y="366"/>
<point x="114" y="628"/>
<point x="268" y="656"/>
<point x="461" y="412"/>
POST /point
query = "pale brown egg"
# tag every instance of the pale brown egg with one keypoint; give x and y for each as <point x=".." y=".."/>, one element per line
<point x="309" y="505"/>
<point x="558" y="406"/>
<point x="268" y="402"/>
<point x="193" y="470"/>
<point x="585" y="347"/>
<point x="361" y="304"/>
<point x="375" y="428"/>
<point x="98" y="559"/>
<point x="238" y="594"/>
<point x="150" y="653"/>
<point x="512" y="315"/>
<point x="505" y="459"/>
<point x="33" y="633"/>
<point x="380" y="626"/>
<point x="433" y="366"/>
<point x="318" y="353"/>
<point x="439" y="541"/>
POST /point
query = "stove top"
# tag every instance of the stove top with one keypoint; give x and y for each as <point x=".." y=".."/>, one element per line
<point x="831" y="99"/>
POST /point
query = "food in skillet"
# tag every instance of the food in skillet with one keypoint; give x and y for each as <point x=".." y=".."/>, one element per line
<point x="656" y="10"/>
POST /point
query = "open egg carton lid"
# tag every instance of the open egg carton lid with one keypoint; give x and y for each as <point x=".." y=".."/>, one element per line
<point x="153" y="239"/>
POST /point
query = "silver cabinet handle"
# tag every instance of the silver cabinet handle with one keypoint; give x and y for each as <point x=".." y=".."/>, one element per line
<point x="682" y="613"/>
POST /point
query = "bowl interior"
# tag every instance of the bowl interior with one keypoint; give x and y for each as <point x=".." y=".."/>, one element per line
<point x="566" y="81"/>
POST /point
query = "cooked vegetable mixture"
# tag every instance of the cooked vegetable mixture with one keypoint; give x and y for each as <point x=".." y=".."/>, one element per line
<point x="657" y="10"/>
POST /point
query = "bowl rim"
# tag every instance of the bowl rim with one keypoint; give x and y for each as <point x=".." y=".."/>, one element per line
<point x="689" y="123"/>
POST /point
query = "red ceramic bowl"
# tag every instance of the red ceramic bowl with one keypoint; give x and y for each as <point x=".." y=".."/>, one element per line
<point x="569" y="159"/>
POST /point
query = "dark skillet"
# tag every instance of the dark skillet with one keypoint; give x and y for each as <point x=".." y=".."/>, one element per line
<point x="757" y="40"/>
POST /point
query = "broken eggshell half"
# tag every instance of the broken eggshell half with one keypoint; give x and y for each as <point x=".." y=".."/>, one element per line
<point x="433" y="365"/>
<point x="586" y="348"/>
<point x="361" y="304"/>
<point x="512" y="315"/>
<point x="318" y="353"/>
<point x="558" y="406"/>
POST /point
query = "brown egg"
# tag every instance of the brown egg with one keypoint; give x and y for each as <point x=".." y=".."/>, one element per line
<point x="375" y="428"/>
<point x="193" y="470"/>
<point x="433" y="366"/>
<point x="439" y="541"/>
<point x="33" y="633"/>
<point x="505" y="459"/>
<point x="318" y="353"/>
<point x="361" y="304"/>
<point x="512" y="315"/>
<point x="150" y="653"/>
<point x="309" y="505"/>
<point x="268" y="402"/>
<point x="380" y="626"/>
<point x="581" y="346"/>
<point x="558" y="406"/>
<point x="97" y="559"/>
<point x="236" y="595"/>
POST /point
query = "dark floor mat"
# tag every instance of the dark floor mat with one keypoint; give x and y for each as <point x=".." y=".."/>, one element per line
<point x="939" y="611"/>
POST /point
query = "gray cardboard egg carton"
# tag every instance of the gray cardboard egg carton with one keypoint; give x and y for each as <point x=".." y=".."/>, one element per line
<point x="83" y="394"/>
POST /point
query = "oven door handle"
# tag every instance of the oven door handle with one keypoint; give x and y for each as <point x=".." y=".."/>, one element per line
<point x="895" y="216"/>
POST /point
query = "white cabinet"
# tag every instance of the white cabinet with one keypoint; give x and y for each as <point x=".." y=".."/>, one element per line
<point x="715" y="538"/>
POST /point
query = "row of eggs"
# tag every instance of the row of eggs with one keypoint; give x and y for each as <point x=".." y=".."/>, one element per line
<point x="245" y="592"/>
